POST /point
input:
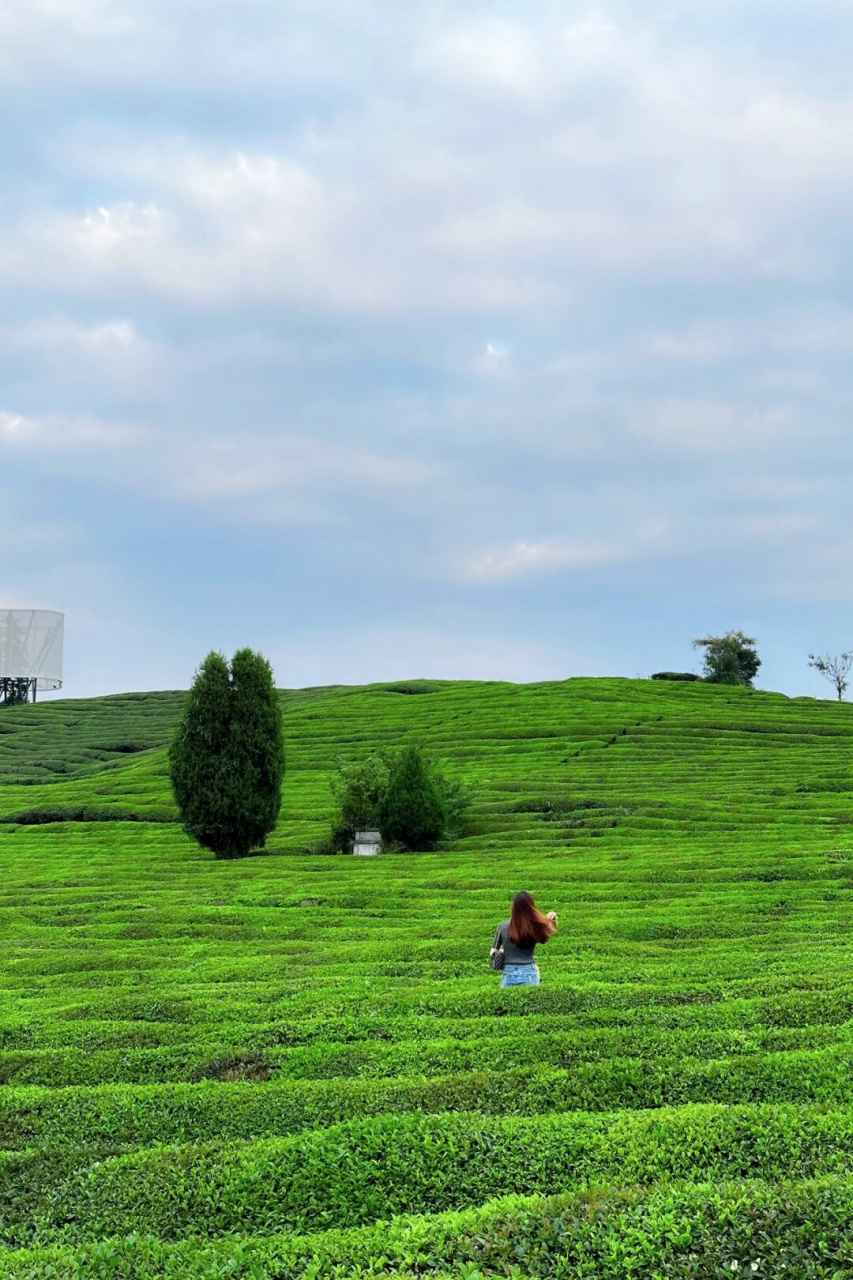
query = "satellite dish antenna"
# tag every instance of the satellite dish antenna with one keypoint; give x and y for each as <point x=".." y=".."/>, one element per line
<point x="30" y="653"/>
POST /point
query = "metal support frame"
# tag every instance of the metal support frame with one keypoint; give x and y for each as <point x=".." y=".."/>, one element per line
<point x="15" y="690"/>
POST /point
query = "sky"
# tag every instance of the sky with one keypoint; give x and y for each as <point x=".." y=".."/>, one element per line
<point x="427" y="339"/>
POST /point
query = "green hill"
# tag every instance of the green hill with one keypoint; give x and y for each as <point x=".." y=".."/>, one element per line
<point x="240" y="1069"/>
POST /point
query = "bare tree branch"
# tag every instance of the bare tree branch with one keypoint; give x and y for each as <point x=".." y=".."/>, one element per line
<point x="835" y="668"/>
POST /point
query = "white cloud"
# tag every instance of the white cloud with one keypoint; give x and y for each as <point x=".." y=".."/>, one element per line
<point x="494" y="361"/>
<point x="423" y="281"/>
<point x="106" y="353"/>
<point x="524" y="559"/>
<point x="244" y="466"/>
<point x="803" y="333"/>
<point x="487" y="54"/>
<point x="606" y="153"/>
<point x="63" y="433"/>
<point x="242" y="227"/>
<point x="34" y="21"/>
<point x="698" y="345"/>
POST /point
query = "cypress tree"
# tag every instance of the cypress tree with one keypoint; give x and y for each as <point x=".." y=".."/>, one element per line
<point x="412" y="810"/>
<point x="227" y="758"/>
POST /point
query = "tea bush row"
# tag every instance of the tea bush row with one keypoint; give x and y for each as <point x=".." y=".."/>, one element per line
<point x="321" y="1048"/>
<point x="114" y="1117"/>
<point x="356" y="1173"/>
<point x="354" y="1015"/>
<point x="701" y="1232"/>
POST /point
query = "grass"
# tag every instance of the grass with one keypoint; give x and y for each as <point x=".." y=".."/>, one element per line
<point x="246" y="1069"/>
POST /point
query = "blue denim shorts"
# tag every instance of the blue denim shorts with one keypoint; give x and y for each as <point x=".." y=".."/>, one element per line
<point x="520" y="975"/>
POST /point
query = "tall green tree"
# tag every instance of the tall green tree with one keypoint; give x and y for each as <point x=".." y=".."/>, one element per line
<point x="227" y="758"/>
<point x="730" y="659"/>
<point x="412" y="809"/>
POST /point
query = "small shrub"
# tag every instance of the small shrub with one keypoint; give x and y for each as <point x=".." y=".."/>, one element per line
<point x="414" y="686"/>
<point x="425" y="805"/>
<point x="676" y="675"/>
<point x="358" y="791"/>
<point x="83" y="813"/>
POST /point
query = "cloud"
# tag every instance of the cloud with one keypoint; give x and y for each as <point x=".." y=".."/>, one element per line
<point x="524" y="559"/>
<point x="803" y="332"/>
<point x="239" y="227"/>
<point x="708" y="427"/>
<point x="599" y="151"/>
<point x="273" y="478"/>
<point x="61" y="433"/>
<point x="242" y="466"/>
<point x="62" y="352"/>
<point x="487" y="55"/>
<point x="699" y="345"/>
<point x="494" y="361"/>
<point x="480" y="301"/>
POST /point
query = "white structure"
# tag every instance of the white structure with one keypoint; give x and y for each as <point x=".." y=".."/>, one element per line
<point x="30" y="652"/>
<point x="367" y="844"/>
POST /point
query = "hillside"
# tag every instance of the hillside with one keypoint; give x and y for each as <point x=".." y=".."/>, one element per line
<point x="293" y="1048"/>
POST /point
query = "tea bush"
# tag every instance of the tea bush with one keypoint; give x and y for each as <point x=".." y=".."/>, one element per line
<point x="300" y="1066"/>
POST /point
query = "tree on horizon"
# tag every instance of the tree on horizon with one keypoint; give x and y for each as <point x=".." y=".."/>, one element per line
<point x="730" y="659"/>
<point x="834" y="667"/>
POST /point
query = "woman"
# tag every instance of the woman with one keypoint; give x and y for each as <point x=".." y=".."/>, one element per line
<point x="517" y="938"/>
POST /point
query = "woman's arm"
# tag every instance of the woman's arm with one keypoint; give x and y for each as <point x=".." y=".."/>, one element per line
<point x="498" y="942"/>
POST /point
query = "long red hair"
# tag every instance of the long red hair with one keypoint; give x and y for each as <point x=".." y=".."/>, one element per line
<point x="527" y="924"/>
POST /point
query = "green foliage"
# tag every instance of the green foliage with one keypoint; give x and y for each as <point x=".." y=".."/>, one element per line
<point x="712" y="1228"/>
<point x="688" y="676"/>
<point x="83" y="813"/>
<point x="14" y="693"/>
<point x="214" y="1071"/>
<point x="227" y="758"/>
<point x="730" y="659"/>
<point x="358" y="791"/>
<point x="412" y="810"/>
<point x="362" y="788"/>
<point x="327" y="1085"/>
<point x="256" y="749"/>
<point x="456" y="802"/>
<point x="366" y="1169"/>
<point x="71" y="740"/>
<point x="199" y="758"/>
<point x="415" y="686"/>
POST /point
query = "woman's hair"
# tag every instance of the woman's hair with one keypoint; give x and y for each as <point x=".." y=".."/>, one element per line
<point x="527" y="925"/>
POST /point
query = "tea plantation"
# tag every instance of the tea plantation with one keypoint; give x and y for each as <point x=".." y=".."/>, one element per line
<point x="297" y="1065"/>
